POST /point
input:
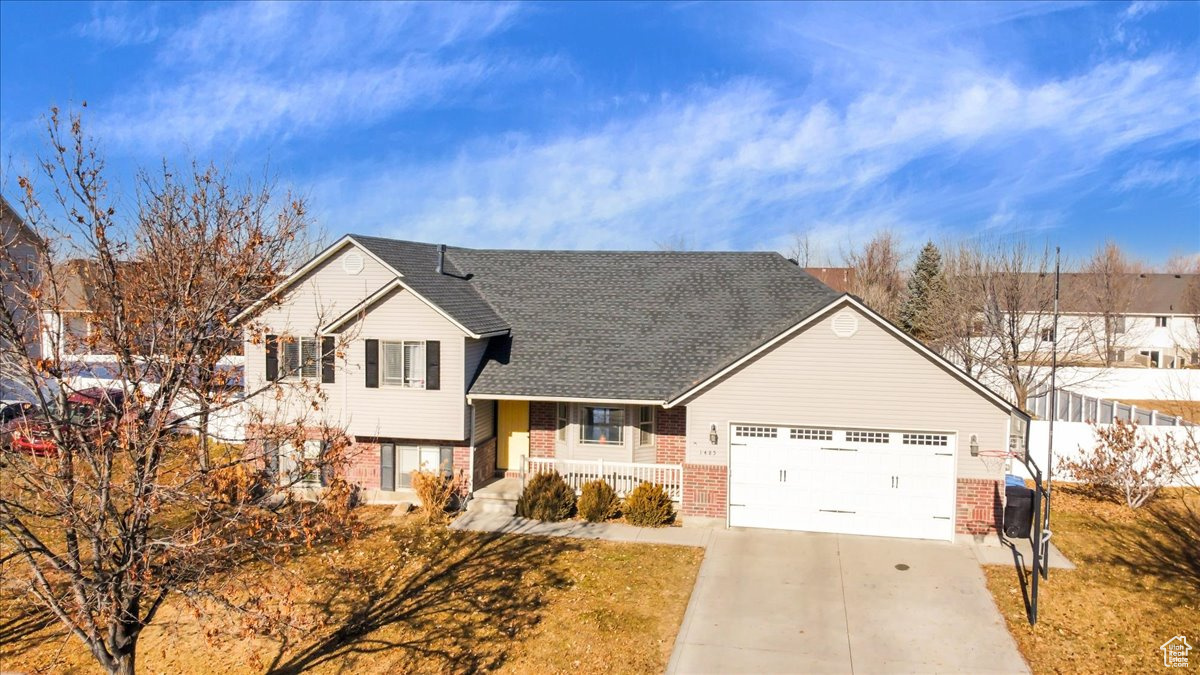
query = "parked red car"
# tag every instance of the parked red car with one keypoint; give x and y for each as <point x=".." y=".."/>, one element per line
<point x="89" y="408"/>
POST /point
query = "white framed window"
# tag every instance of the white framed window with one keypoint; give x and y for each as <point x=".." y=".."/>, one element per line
<point x="755" y="432"/>
<point x="602" y="426"/>
<point x="404" y="364"/>
<point x="867" y="437"/>
<point x="299" y="357"/>
<point x="290" y="461"/>
<point x="563" y="421"/>
<point x="811" y="434"/>
<point x="1047" y="335"/>
<point x="1116" y="325"/>
<point x="410" y="458"/>
<point x="1160" y="322"/>
<point x="645" y="425"/>
<point x="926" y="439"/>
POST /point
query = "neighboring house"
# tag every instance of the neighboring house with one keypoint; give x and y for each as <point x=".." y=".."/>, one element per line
<point x="67" y="320"/>
<point x="757" y="394"/>
<point x="1142" y="320"/>
<point x="840" y="279"/>
<point x="19" y="270"/>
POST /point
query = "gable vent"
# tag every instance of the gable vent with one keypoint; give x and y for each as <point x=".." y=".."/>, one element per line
<point x="353" y="262"/>
<point x="844" y="324"/>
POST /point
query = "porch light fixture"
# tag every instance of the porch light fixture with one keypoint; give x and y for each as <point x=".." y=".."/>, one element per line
<point x="974" y="445"/>
<point x="712" y="434"/>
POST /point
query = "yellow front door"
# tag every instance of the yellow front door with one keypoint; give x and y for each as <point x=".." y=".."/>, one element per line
<point x="512" y="429"/>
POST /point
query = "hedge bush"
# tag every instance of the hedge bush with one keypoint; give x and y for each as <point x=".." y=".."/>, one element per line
<point x="546" y="497"/>
<point x="648" y="505"/>
<point x="597" y="501"/>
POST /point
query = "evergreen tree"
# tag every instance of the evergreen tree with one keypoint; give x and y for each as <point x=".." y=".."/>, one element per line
<point x="926" y="286"/>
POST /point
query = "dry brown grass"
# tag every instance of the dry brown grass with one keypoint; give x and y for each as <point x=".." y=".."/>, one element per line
<point x="1188" y="410"/>
<point x="408" y="597"/>
<point x="1136" y="586"/>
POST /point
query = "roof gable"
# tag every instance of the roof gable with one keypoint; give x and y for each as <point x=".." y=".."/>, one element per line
<point x="824" y="313"/>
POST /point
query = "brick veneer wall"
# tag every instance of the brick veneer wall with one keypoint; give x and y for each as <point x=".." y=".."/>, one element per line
<point x="362" y="466"/>
<point x="979" y="506"/>
<point x="705" y="490"/>
<point x="543" y="418"/>
<point x="670" y="427"/>
<point x="485" y="462"/>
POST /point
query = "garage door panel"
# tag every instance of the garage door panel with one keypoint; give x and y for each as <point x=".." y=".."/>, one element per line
<point x="851" y="482"/>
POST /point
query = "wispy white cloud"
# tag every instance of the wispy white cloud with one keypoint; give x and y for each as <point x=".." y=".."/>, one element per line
<point x="1156" y="174"/>
<point x="266" y="71"/>
<point x="722" y="162"/>
<point x="120" y="24"/>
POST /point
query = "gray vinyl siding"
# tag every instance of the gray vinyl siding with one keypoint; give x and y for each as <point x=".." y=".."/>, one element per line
<point x="475" y="350"/>
<point x="643" y="454"/>
<point x="386" y="411"/>
<point x="19" y="248"/>
<point x="871" y="380"/>
<point x="485" y="421"/>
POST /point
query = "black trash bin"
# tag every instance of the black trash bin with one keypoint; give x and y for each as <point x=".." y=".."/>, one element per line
<point x="1018" y="511"/>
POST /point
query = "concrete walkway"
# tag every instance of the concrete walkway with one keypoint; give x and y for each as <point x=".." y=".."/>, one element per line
<point x="794" y="602"/>
<point x="497" y="522"/>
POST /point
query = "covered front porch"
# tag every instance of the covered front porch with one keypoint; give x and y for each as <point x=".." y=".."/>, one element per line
<point x="624" y="443"/>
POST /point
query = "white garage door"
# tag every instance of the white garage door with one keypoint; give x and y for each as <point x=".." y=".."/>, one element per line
<point x="873" y="482"/>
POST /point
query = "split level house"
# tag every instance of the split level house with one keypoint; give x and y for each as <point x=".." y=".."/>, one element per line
<point x="756" y="394"/>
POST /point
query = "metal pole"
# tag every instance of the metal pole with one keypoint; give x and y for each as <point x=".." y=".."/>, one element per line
<point x="1054" y="411"/>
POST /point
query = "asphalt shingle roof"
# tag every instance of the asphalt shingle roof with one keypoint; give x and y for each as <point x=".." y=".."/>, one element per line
<point x="452" y="292"/>
<point x="609" y="324"/>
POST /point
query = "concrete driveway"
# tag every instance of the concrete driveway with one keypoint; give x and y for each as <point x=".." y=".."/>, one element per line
<point x="794" y="602"/>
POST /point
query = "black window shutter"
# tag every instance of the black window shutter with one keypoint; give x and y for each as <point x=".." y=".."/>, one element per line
<point x="327" y="354"/>
<point x="326" y="467"/>
<point x="373" y="364"/>
<point x="272" y="358"/>
<point x="271" y="450"/>
<point x="387" y="467"/>
<point x="433" y="364"/>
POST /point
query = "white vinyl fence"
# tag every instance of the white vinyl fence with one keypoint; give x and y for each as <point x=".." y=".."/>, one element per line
<point x="1071" y="437"/>
<point x="623" y="477"/>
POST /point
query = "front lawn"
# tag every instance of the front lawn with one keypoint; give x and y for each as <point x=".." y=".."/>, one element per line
<point x="406" y="597"/>
<point x="1136" y="585"/>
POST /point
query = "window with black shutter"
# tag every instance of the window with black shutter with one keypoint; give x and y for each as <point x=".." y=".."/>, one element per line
<point x="372" y="364"/>
<point x="387" y="467"/>
<point x="433" y="364"/>
<point x="272" y="358"/>
<point x="271" y="455"/>
<point x="327" y="356"/>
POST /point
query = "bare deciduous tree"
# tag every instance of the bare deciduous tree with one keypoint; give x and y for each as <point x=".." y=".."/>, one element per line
<point x="1107" y="285"/>
<point x="877" y="279"/>
<point x="804" y="250"/>
<point x="956" y="314"/>
<point x="1015" y="284"/>
<point x="107" y="502"/>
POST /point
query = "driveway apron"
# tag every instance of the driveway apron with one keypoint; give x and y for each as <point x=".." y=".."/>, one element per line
<point x="794" y="602"/>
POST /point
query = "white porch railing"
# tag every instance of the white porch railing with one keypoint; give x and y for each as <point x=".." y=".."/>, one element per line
<point x="622" y="476"/>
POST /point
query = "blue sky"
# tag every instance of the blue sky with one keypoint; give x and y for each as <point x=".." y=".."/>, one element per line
<point x="732" y="126"/>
